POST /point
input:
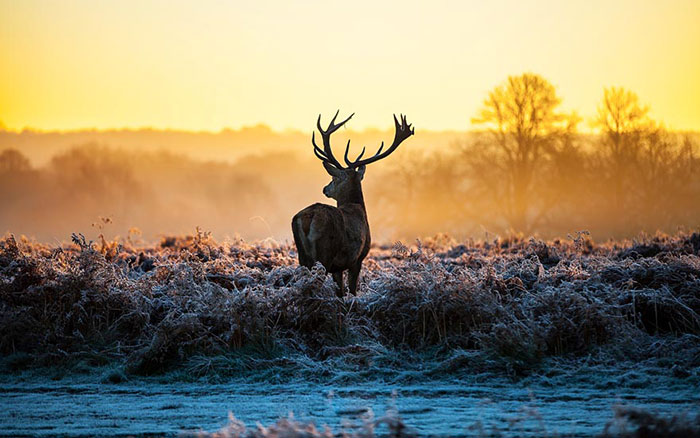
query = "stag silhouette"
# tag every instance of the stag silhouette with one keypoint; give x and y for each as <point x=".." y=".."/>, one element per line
<point x="338" y="237"/>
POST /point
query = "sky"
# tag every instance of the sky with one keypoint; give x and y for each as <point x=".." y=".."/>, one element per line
<point x="208" y="65"/>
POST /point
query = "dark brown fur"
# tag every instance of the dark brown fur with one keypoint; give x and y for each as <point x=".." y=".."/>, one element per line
<point x="337" y="237"/>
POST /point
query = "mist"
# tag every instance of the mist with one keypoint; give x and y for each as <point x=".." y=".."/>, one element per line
<point x="147" y="185"/>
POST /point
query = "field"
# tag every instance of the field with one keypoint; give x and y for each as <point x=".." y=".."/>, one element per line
<point x="529" y="173"/>
<point x="622" y="315"/>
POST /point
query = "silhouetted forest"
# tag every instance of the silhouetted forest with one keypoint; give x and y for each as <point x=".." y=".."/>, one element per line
<point x="528" y="169"/>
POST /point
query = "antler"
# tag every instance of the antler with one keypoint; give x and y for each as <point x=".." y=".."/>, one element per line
<point x="403" y="131"/>
<point x="327" y="153"/>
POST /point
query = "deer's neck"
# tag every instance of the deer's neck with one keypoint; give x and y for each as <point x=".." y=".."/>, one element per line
<point x="353" y="196"/>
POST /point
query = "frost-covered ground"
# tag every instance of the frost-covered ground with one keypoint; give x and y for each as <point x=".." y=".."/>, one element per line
<point x="575" y="406"/>
<point x="506" y="336"/>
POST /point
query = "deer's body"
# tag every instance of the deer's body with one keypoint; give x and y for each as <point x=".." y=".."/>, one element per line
<point x="339" y="237"/>
<point x="320" y="229"/>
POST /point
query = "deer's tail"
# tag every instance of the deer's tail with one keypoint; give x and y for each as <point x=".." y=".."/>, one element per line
<point x="301" y="225"/>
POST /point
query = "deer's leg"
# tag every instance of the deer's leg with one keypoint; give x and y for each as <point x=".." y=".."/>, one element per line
<point x="338" y="277"/>
<point x="353" y="277"/>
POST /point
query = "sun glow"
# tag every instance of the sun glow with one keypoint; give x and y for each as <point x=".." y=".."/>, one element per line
<point x="185" y="65"/>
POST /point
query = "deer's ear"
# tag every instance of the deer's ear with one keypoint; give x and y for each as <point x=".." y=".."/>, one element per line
<point x="361" y="171"/>
<point x="333" y="171"/>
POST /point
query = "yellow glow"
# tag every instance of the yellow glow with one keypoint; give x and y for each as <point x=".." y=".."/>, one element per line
<point x="208" y="65"/>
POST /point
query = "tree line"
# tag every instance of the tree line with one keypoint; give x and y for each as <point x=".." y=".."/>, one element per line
<point x="531" y="170"/>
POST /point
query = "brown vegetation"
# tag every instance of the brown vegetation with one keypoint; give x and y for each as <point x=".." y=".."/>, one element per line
<point x="627" y="423"/>
<point x="514" y="301"/>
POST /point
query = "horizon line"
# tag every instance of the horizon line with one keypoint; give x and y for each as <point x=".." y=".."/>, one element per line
<point x="261" y="126"/>
<point x="258" y="126"/>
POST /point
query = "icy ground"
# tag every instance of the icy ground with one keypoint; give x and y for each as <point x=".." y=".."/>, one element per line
<point x="564" y="404"/>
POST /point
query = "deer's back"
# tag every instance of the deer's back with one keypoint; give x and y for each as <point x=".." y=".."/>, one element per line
<point x="329" y="235"/>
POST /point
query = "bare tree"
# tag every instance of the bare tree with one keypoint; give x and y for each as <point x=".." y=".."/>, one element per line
<point x="525" y="132"/>
<point x="624" y="123"/>
<point x="12" y="161"/>
<point x="642" y="174"/>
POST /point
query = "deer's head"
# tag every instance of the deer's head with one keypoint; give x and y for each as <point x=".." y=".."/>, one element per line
<point x="344" y="182"/>
<point x="345" y="185"/>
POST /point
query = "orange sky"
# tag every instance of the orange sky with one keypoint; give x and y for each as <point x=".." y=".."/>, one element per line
<point x="208" y="65"/>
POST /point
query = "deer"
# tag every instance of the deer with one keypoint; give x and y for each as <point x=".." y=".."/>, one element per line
<point x="339" y="237"/>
